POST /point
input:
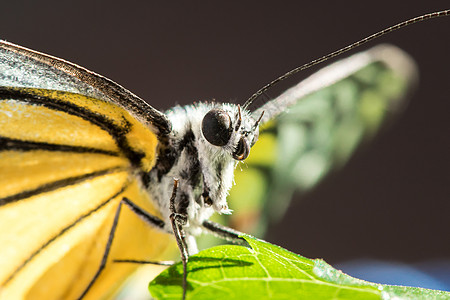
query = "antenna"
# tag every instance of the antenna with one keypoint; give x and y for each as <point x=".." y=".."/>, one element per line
<point x="340" y="51"/>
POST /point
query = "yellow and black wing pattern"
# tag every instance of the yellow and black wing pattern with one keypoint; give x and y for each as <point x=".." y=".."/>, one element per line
<point x="72" y="145"/>
<point x="314" y="128"/>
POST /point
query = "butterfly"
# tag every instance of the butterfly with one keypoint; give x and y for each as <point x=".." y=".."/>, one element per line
<point x="91" y="173"/>
<point x="86" y="163"/>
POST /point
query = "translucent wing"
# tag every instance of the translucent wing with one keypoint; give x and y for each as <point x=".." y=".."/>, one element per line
<point x="69" y="152"/>
<point x="314" y="127"/>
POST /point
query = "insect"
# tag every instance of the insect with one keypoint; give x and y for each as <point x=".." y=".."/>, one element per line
<point x="103" y="162"/>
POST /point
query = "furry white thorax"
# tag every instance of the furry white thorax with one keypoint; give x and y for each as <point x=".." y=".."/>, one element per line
<point x="216" y="164"/>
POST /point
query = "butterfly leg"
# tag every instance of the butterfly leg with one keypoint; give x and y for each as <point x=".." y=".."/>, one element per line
<point x="148" y="218"/>
<point x="145" y="262"/>
<point x="225" y="233"/>
<point x="178" y="221"/>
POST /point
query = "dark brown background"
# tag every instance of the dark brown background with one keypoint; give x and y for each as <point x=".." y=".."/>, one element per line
<point x="390" y="202"/>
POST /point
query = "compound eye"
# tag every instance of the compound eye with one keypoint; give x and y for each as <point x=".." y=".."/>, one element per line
<point x="216" y="127"/>
<point x="242" y="150"/>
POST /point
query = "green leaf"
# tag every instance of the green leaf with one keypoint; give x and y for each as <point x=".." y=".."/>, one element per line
<point x="266" y="270"/>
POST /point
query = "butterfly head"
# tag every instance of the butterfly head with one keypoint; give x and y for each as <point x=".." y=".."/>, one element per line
<point x="222" y="128"/>
<point x="206" y="143"/>
<point x="227" y="133"/>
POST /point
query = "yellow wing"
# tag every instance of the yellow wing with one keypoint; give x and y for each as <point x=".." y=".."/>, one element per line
<point x="66" y="161"/>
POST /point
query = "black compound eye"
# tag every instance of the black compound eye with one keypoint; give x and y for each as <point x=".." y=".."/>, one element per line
<point x="216" y="127"/>
<point x="242" y="150"/>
